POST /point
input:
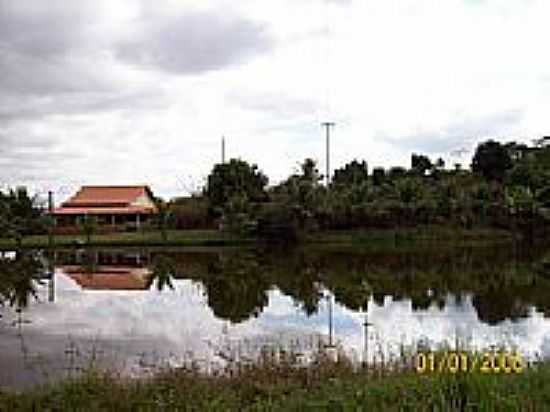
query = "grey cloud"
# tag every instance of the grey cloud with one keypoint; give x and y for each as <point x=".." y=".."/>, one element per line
<point x="14" y="110"/>
<point x="10" y="143"/>
<point x="48" y="47"/>
<point x="41" y="29"/>
<point x="275" y="104"/>
<point x="195" y="42"/>
<point x="460" y="134"/>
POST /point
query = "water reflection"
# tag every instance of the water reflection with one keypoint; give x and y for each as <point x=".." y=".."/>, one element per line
<point x="188" y="299"/>
<point x="19" y="274"/>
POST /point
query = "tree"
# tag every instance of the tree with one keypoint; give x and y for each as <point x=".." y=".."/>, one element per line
<point x="491" y="160"/>
<point x="89" y="227"/>
<point x="235" y="178"/>
<point x="378" y="176"/>
<point x="351" y="174"/>
<point x="420" y="164"/>
<point x="163" y="219"/>
<point x="20" y="215"/>
<point x="397" y="172"/>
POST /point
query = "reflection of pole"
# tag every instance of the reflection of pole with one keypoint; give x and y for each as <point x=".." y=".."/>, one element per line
<point x="51" y="286"/>
<point x="366" y="325"/>
<point x="50" y="213"/>
<point x="329" y="297"/>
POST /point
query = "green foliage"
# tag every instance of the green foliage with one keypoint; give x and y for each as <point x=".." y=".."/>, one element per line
<point x="232" y="190"/>
<point x="491" y="160"/>
<point x="351" y="174"/>
<point x="236" y="178"/>
<point x="164" y="219"/>
<point x="20" y="215"/>
<point x="163" y="270"/>
<point x="267" y="385"/>
<point x="190" y="213"/>
<point x="420" y="164"/>
<point x="397" y="172"/>
<point x="88" y="226"/>
<point x="18" y="279"/>
<point x="378" y="176"/>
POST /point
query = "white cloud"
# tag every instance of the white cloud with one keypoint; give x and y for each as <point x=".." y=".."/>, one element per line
<point x="114" y="85"/>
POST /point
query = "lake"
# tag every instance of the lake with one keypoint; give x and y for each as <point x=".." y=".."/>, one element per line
<point x="136" y="310"/>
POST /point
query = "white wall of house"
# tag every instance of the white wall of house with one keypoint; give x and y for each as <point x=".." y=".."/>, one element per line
<point x="144" y="201"/>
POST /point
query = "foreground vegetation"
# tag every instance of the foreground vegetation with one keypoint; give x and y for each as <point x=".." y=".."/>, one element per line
<point x="268" y="386"/>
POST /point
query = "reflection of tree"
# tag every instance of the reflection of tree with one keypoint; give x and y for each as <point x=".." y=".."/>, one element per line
<point x="299" y="277"/>
<point x="353" y="292"/>
<point x="163" y="270"/>
<point x="498" y="305"/>
<point x="235" y="287"/>
<point x="18" y="279"/>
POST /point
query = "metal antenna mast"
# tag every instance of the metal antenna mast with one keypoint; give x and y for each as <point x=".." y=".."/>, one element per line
<point x="327" y="126"/>
<point x="223" y="149"/>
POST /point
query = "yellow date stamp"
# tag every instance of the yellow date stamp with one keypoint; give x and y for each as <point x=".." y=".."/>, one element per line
<point x="464" y="362"/>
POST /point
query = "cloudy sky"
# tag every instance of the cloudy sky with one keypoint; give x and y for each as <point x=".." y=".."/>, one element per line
<point x="130" y="92"/>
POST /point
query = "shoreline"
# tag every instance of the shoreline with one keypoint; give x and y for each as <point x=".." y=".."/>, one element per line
<point x="215" y="238"/>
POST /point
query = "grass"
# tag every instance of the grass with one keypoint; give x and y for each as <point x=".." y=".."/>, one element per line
<point x="174" y="238"/>
<point x="268" y="386"/>
<point x="404" y="235"/>
<point x="217" y="238"/>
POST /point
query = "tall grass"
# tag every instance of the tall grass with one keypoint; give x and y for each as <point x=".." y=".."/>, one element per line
<point x="281" y="383"/>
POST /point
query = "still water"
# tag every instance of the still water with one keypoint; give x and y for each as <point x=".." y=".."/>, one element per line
<point x="139" y="309"/>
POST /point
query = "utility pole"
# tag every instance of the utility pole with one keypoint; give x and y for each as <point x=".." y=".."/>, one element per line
<point x="51" y="267"/>
<point x="50" y="217"/>
<point x="327" y="126"/>
<point x="223" y="149"/>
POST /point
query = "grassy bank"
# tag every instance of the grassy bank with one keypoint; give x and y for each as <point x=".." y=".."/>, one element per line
<point x="323" y="386"/>
<point x="217" y="238"/>
<point x="174" y="238"/>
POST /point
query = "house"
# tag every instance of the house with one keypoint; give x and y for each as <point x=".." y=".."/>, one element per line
<point x="110" y="277"/>
<point x="117" y="207"/>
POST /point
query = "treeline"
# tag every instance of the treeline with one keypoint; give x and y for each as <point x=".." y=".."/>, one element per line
<point x="508" y="186"/>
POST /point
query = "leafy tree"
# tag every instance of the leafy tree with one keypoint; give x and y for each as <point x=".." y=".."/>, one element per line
<point x="378" y="176"/>
<point x="420" y="164"/>
<point x="164" y="218"/>
<point x="352" y="173"/>
<point x="491" y="160"/>
<point x="20" y="215"/>
<point x="236" y="177"/>
<point x="397" y="172"/>
<point x="88" y="226"/>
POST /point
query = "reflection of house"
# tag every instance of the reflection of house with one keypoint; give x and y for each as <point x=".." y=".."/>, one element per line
<point x="109" y="277"/>
<point x="116" y="206"/>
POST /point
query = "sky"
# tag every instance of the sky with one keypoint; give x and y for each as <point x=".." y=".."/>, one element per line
<point x="141" y="92"/>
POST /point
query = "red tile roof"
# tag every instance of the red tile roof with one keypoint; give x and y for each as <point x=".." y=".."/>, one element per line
<point x="100" y="195"/>
<point x="99" y="200"/>
<point x="110" y="278"/>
